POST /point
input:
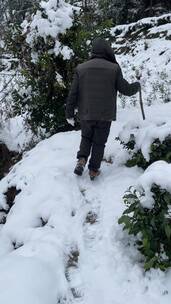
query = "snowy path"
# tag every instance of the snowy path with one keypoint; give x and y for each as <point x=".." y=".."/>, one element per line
<point x="61" y="242"/>
<point x="109" y="270"/>
<point x="101" y="256"/>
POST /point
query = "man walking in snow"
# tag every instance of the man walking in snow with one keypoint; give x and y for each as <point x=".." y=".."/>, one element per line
<point x="94" y="93"/>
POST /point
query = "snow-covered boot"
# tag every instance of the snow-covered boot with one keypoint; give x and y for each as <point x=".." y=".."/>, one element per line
<point x="80" y="166"/>
<point x="93" y="174"/>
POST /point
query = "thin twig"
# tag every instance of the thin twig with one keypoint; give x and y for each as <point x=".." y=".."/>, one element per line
<point x="7" y="84"/>
<point x="6" y="94"/>
<point x="8" y="74"/>
<point x="141" y="105"/>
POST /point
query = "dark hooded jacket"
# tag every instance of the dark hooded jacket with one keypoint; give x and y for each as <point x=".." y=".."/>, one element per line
<point x="102" y="49"/>
<point x="95" y="85"/>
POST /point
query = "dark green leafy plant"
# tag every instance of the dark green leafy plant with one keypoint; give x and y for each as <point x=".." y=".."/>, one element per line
<point x="42" y="89"/>
<point x="159" y="150"/>
<point x="151" y="227"/>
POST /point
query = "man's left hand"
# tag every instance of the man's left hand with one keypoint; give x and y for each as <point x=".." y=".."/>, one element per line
<point x="71" y="121"/>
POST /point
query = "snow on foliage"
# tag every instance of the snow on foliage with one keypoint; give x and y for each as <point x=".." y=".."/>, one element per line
<point x="15" y="135"/>
<point x="53" y="18"/>
<point x="144" y="134"/>
<point x="159" y="173"/>
<point x="150" y="21"/>
<point x="144" y="52"/>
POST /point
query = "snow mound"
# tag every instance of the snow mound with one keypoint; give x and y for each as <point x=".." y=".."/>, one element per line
<point x="23" y="270"/>
<point x="37" y="234"/>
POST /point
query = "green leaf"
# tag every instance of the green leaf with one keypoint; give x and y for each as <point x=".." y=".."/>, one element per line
<point x="168" y="157"/>
<point x="146" y="243"/>
<point x="130" y="195"/>
<point x="167" y="198"/>
<point x="167" y="229"/>
<point x="124" y="219"/>
<point x="150" y="263"/>
<point x="130" y="209"/>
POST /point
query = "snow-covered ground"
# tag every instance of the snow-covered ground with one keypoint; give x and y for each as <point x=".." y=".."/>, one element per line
<point x="143" y="50"/>
<point x="61" y="242"/>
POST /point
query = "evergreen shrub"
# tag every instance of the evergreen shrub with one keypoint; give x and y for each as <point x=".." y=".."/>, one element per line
<point x="159" y="150"/>
<point x="41" y="90"/>
<point x="150" y="227"/>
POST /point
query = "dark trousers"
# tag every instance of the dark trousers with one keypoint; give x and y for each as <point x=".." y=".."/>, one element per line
<point x="94" y="137"/>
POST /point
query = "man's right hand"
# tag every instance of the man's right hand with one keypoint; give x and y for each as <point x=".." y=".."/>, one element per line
<point x="71" y="121"/>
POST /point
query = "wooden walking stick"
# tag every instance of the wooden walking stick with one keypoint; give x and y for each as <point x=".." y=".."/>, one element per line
<point x="141" y="104"/>
<point x="138" y="76"/>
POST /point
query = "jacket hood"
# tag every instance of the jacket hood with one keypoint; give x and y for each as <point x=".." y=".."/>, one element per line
<point x="102" y="49"/>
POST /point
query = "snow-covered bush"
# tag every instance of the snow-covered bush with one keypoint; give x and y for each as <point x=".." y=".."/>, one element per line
<point x="148" y="215"/>
<point x="143" y="50"/>
<point x="123" y="11"/>
<point x="44" y="64"/>
<point x="49" y="44"/>
<point x="146" y="143"/>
